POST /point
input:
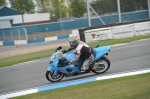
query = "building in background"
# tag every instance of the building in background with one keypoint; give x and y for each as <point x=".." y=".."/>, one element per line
<point x="10" y="17"/>
<point x="38" y="18"/>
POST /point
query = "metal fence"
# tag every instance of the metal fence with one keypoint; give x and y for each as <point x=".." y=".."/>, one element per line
<point x="13" y="34"/>
<point x="109" y="7"/>
<point x="102" y="7"/>
<point x="77" y="8"/>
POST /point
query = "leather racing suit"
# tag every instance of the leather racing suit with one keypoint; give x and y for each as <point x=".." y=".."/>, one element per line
<point x="84" y="52"/>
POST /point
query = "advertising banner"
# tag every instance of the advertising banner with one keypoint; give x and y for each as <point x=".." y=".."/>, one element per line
<point x="142" y="28"/>
<point x="98" y="34"/>
<point x="116" y="32"/>
<point x="123" y="31"/>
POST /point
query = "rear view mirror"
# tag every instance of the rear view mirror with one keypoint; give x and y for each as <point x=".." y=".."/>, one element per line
<point x="58" y="48"/>
<point x="97" y="46"/>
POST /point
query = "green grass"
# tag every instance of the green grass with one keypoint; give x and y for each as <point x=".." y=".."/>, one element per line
<point x="118" y="41"/>
<point x="133" y="87"/>
<point x="27" y="57"/>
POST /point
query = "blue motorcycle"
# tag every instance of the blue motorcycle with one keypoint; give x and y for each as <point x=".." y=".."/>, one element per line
<point x="58" y="69"/>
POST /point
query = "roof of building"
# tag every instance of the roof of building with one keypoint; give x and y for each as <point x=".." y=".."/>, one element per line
<point x="5" y="11"/>
<point x="8" y="19"/>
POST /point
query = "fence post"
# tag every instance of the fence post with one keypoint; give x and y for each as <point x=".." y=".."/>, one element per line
<point x="60" y="9"/>
<point x="112" y="32"/>
<point x="18" y="33"/>
<point x="46" y="29"/>
<point x="119" y="12"/>
<point x="3" y="35"/>
<point x="88" y="13"/>
<point x="25" y="31"/>
<point x="11" y="35"/>
<point x="148" y="1"/>
<point x="134" y="29"/>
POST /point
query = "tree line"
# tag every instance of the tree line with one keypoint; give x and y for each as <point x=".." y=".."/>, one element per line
<point x="110" y="6"/>
<point x="75" y="8"/>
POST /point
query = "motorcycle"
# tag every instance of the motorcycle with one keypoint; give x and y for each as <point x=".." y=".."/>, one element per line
<point x="58" y="68"/>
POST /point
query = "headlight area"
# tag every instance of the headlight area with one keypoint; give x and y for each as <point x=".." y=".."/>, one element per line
<point x="50" y="62"/>
<point x="107" y="53"/>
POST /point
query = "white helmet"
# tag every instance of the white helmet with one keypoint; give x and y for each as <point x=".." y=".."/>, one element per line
<point x="74" y="40"/>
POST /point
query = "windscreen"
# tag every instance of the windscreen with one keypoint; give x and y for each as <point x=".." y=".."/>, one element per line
<point x="58" y="54"/>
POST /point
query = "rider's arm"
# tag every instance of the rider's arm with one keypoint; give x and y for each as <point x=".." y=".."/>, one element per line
<point x="74" y="59"/>
<point x="69" y="48"/>
<point x="77" y="53"/>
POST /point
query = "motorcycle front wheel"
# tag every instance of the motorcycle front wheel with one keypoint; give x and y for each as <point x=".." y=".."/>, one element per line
<point x="101" y="65"/>
<point x="54" y="78"/>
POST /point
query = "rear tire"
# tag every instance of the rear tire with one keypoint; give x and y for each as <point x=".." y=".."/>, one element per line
<point x="101" y="65"/>
<point x="50" y="76"/>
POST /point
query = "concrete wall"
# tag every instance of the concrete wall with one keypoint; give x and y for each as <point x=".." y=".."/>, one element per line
<point x="17" y="19"/>
<point x="28" y="18"/>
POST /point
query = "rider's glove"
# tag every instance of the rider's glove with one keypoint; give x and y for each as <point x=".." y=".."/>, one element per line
<point x="67" y="63"/>
<point x="64" y="51"/>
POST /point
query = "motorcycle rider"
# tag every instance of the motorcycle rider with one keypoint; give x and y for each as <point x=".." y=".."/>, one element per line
<point x="82" y="51"/>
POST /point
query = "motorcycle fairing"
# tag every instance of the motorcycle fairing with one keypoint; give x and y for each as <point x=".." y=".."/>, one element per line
<point x="100" y="51"/>
<point x="63" y="69"/>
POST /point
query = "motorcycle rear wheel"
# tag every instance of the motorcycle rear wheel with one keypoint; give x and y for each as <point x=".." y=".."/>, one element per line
<point x="101" y="65"/>
<point x="50" y="76"/>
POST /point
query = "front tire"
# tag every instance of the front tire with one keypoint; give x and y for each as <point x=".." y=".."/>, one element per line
<point x="54" y="78"/>
<point x="101" y="65"/>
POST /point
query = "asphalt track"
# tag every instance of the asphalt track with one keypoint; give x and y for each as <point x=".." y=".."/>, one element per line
<point x="132" y="56"/>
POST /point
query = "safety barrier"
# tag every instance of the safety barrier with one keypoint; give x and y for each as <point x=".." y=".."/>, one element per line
<point x="116" y="32"/>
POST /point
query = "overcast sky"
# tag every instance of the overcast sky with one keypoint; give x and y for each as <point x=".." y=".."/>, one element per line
<point x="8" y="4"/>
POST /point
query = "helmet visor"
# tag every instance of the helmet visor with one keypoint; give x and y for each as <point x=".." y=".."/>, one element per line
<point x="73" y="41"/>
<point x="73" y="44"/>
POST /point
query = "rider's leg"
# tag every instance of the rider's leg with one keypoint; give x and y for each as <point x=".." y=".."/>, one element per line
<point x="86" y="63"/>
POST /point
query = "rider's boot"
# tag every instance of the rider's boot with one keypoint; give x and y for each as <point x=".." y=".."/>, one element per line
<point x="85" y="71"/>
<point x="88" y="70"/>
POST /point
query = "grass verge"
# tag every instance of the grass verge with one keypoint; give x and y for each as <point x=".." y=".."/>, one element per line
<point x="133" y="87"/>
<point x="28" y="57"/>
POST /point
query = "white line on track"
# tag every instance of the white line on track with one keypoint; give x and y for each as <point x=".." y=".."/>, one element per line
<point x="118" y="44"/>
<point x="132" y="46"/>
<point x="141" y="40"/>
